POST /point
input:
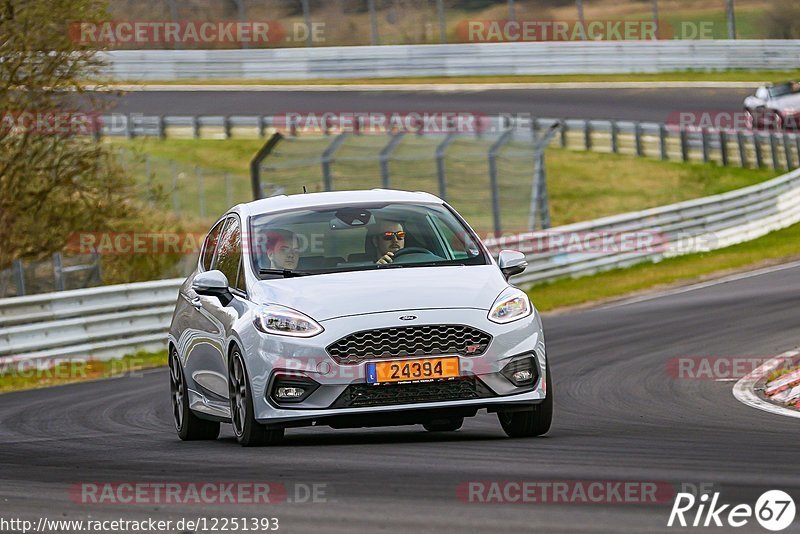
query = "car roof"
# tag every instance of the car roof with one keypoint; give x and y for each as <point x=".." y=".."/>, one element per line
<point x="334" y="198"/>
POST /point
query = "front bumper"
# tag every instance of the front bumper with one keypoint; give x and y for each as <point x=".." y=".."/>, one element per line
<point x="481" y="384"/>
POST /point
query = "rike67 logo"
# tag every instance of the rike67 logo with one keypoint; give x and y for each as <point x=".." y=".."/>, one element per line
<point x="774" y="510"/>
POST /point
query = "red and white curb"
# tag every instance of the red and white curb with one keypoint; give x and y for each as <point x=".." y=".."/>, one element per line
<point x="783" y="389"/>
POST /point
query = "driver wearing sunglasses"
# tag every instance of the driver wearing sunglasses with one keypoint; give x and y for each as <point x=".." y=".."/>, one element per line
<point x="389" y="237"/>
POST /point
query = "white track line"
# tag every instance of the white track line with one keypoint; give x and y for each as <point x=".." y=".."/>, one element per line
<point x="432" y="87"/>
<point x="743" y="390"/>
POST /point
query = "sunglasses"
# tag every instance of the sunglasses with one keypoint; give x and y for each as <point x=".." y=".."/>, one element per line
<point x="400" y="235"/>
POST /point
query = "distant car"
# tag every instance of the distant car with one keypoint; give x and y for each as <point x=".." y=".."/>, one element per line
<point x="775" y="106"/>
<point x="345" y="337"/>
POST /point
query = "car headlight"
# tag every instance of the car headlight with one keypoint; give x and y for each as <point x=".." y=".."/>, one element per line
<point x="511" y="305"/>
<point x="273" y="319"/>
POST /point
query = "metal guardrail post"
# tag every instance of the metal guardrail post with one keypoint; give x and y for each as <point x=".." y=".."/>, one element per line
<point x="493" y="182"/>
<point x="797" y="143"/>
<point x="563" y="133"/>
<point x="58" y="271"/>
<point x="162" y="127"/>
<point x="740" y="141"/>
<point x="327" y="158"/>
<point x="704" y="141"/>
<point x="662" y="142"/>
<point x="441" y="148"/>
<point x="773" y="146"/>
<point x="262" y="126"/>
<point x="587" y="134"/>
<point x="196" y="127"/>
<point x="226" y="126"/>
<point x="684" y="145"/>
<point x="442" y="22"/>
<point x="255" y="164"/>
<point x="787" y="151"/>
<point x="19" y="277"/>
<point x="385" y="154"/>
<point x="307" y="20"/>
<point x="539" y="202"/>
<point x="373" y="23"/>
<point x="723" y="147"/>
<point x="759" y="152"/>
<point x="97" y="268"/>
<point x="638" y="139"/>
<point x="614" y="137"/>
<point x="129" y="126"/>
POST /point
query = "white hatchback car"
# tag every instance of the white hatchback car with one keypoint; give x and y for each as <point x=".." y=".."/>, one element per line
<point x="353" y="309"/>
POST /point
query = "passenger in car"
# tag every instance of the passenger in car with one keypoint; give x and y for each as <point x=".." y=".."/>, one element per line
<point x="283" y="249"/>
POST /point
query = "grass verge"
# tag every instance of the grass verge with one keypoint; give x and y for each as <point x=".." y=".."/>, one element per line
<point x="30" y="375"/>
<point x="779" y="246"/>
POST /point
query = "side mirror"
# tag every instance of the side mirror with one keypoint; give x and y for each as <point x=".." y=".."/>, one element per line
<point x="511" y="262"/>
<point x="213" y="284"/>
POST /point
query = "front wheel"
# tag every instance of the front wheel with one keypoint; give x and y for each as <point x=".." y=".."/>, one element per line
<point x="189" y="426"/>
<point x="533" y="422"/>
<point x="248" y="431"/>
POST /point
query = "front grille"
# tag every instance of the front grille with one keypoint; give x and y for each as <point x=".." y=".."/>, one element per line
<point x="409" y="341"/>
<point x="362" y="395"/>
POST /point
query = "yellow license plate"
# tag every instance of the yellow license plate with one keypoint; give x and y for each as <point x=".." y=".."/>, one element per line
<point x="412" y="370"/>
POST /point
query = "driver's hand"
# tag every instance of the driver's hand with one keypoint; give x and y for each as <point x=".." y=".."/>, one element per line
<point x="387" y="258"/>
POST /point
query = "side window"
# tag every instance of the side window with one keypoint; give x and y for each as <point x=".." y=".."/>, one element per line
<point x="453" y="242"/>
<point x="210" y="244"/>
<point x="229" y="251"/>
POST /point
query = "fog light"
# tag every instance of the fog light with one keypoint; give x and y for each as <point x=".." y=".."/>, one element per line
<point x="291" y="388"/>
<point x="521" y="376"/>
<point x="521" y="372"/>
<point x="289" y="393"/>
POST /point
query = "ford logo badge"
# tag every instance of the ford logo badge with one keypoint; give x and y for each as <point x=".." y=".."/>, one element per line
<point x="408" y="317"/>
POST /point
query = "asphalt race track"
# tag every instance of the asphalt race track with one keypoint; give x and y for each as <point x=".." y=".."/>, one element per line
<point x="622" y="104"/>
<point x="619" y="416"/>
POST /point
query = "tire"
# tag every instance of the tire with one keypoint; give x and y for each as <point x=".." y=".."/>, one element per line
<point x="533" y="422"/>
<point x="444" y="425"/>
<point x="248" y="431"/>
<point x="189" y="426"/>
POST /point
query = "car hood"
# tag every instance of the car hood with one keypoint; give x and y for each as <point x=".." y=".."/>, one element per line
<point x="328" y="296"/>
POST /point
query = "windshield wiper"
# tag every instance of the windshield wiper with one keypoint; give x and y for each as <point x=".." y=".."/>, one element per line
<point x="286" y="273"/>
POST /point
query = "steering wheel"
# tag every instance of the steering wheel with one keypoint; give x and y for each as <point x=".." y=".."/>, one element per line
<point x="410" y="250"/>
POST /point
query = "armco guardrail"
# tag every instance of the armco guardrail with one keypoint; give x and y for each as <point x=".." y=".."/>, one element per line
<point x="483" y="59"/>
<point x="699" y="225"/>
<point x="100" y="322"/>
<point x="743" y="148"/>
<point x="114" y="320"/>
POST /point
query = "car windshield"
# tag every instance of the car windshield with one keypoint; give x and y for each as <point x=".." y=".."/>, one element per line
<point x="784" y="89"/>
<point x="360" y="237"/>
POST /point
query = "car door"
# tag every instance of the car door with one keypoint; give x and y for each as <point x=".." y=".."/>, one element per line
<point x="207" y="360"/>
